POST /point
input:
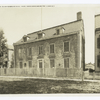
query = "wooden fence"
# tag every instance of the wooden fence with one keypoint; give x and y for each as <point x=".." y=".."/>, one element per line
<point x="47" y="72"/>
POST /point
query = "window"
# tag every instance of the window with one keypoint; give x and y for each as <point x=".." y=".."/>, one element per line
<point x="25" y="38"/>
<point x="66" y="46"/>
<point x="24" y="50"/>
<point x="40" y="49"/>
<point x="24" y="64"/>
<point x="40" y="63"/>
<point x="58" y="31"/>
<point x="39" y="35"/>
<point x="52" y="63"/>
<point x="51" y="48"/>
<point x="98" y="42"/>
<point x="30" y="63"/>
<point x="98" y="61"/>
<point x="21" y="65"/>
<point x="66" y="62"/>
<point x="30" y="51"/>
<point x="20" y="53"/>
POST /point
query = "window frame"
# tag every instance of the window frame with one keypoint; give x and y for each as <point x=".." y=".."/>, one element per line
<point x="57" y="30"/>
<point x="64" y="62"/>
<point x="41" y="35"/>
<point x="64" y="47"/>
<point x="30" y="54"/>
<point x="28" y="63"/>
<point x="98" y="46"/>
<point x="42" y="63"/>
<point x="22" y="64"/>
<point x="20" y="53"/>
<point x="54" y="48"/>
<point x="50" y="63"/>
<point x="39" y="50"/>
<point x="28" y="51"/>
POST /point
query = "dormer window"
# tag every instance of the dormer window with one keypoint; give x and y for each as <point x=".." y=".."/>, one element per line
<point x="58" y="31"/>
<point x="41" y="35"/>
<point x="25" y="38"/>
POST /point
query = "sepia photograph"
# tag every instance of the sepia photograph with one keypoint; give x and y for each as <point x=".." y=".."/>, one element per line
<point x="50" y="49"/>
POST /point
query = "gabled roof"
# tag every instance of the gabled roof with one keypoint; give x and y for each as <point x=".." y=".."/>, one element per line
<point x="69" y="28"/>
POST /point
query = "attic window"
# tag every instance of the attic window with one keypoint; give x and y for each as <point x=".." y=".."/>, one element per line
<point x="25" y="38"/>
<point x="63" y="29"/>
<point x="40" y="35"/>
<point x="58" y="31"/>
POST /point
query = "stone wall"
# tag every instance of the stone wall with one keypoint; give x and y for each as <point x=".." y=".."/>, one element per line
<point x="59" y="55"/>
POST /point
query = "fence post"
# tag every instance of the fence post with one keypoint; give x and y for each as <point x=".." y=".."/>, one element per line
<point x="93" y="75"/>
<point x="15" y="72"/>
<point x="54" y="72"/>
<point x="82" y="76"/>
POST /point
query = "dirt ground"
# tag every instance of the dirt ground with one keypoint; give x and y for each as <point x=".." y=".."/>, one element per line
<point x="44" y="86"/>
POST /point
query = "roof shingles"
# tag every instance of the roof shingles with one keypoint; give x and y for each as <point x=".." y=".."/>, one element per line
<point x="49" y="32"/>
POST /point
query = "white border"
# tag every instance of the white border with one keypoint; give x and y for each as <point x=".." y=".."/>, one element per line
<point x="55" y="96"/>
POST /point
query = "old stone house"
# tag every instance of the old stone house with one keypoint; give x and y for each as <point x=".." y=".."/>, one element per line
<point x="56" y="51"/>
<point x="97" y="42"/>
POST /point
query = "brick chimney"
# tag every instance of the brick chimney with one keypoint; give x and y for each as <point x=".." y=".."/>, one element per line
<point x="79" y="15"/>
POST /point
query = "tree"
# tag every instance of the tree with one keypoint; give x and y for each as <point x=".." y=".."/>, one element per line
<point x="3" y="49"/>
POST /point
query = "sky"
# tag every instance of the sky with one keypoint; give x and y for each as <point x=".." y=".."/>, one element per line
<point x="21" y="20"/>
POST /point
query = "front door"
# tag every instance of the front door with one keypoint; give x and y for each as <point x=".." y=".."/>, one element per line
<point x="41" y="67"/>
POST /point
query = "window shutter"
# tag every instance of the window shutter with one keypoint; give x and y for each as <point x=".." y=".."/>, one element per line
<point x="65" y="66"/>
<point x="67" y="62"/>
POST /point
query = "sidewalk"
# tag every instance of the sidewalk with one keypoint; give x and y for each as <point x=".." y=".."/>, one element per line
<point x="55" y="78"/>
